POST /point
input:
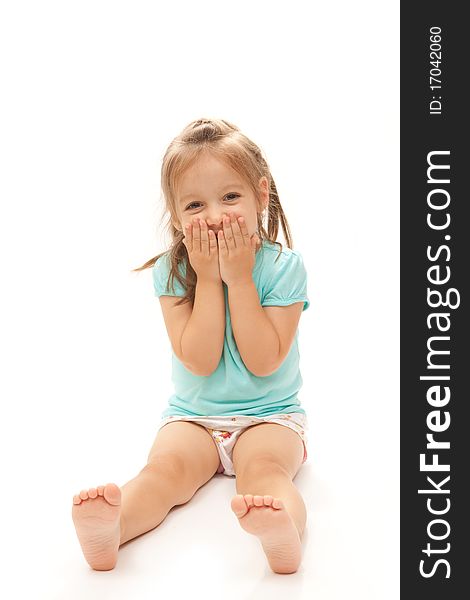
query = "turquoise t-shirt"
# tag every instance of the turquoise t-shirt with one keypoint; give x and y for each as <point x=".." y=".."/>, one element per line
<point x="232" y="389"/>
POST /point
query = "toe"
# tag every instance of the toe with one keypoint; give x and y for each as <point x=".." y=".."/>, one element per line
<point x="100" y="490"/>
<point x="258" y="500"/>
<point x="92" y="492"/>
<point x="249" y="500"/>
<point x="277" y="503"/>
<point x="239" y="506"/>
<point x="77" y="499"/>
<point x="84" y="494"/>
<point x="112" y="494"/>
<point x="268" y="500"/>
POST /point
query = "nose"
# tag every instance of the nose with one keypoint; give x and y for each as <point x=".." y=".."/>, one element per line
<point x="215" y="224"/>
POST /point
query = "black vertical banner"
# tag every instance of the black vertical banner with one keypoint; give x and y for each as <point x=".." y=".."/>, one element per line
<point x="434" y="303"/>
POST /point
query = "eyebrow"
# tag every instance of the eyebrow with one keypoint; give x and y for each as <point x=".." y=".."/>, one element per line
<point x="230" y="185"/>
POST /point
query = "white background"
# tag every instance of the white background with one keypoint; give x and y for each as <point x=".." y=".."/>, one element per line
<point x="93" y="93"/>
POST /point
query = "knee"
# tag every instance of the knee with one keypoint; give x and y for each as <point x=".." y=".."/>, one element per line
<point x="168" y="465"/>
<point x="169" y="476"/>
<point x="258" y="468"/>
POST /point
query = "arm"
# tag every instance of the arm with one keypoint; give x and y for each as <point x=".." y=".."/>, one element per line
<point x="202" y="340"/>
<point x="257" y="340"/>
<point x="263" y="335"/>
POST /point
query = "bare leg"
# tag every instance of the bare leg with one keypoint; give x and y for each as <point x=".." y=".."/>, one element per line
<point x="276" y="515"/>
<point x="107" y="517"/>
<point x="182" y="459"/>
<point x="149" y="497"/>
<point x="266" y="458"/>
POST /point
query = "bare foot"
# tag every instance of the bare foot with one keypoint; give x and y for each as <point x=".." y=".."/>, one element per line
<point x="267" y="518"/>
<point x="95" y="514"/>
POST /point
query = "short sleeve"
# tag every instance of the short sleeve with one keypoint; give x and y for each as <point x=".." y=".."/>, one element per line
<point x="160" y="274"/>
<point x="288" y="283"/>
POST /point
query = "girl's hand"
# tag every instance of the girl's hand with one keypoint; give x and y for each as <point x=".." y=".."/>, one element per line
<point x="203" y="254"/>
<point x="236" y="251"/>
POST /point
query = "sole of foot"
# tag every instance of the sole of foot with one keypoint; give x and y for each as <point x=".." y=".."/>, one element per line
<point x="95" y="514"/>
<point x="267" y="518"/>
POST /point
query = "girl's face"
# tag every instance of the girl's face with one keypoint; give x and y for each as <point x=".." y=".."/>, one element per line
<point x="210" y="188"/>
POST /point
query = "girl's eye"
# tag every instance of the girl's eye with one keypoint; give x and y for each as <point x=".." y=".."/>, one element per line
<point x="236" y="195"/>
<point x="226" y="196"/>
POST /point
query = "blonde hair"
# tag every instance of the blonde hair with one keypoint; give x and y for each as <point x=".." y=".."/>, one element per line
<point x="226" y="142"/>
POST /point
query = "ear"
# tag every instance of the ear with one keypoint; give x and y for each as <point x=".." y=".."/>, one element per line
<point x="264" y="191"/>
<point x="177" y="226"/>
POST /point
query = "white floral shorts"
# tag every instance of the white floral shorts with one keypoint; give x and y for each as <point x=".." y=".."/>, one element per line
<point x="226" y="430"/>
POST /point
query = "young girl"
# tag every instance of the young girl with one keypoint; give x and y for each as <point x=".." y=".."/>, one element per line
<point x="231" y="301"/>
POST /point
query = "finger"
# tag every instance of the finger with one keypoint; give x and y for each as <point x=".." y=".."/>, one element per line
<point x="222" y="244"/>
<point x="188" y="238"/>
<point x="243" y="231"/>
<point x="196" y="235"/>
<point x="212" y="243"/>
<point x="228" y="233"/>
<point x="237" y="233"/>
<point x="204" y="237"/>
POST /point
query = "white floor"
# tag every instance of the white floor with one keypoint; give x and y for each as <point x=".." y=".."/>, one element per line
<point x="350" y="549"/>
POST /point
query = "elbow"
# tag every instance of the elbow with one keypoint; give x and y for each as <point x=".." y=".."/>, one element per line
<point x="196" y="370"/>
<point x="197" y="373"/>
<point x="192" y="370"/>
<point x="265" y="370"/>
<point x="200" y="370"/>
<point x="202" y="373"/>
<point x="206" y="370"/>
<point x="267" y="366"/>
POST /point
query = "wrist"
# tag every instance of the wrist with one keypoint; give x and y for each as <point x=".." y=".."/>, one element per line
<point x="207" y="281"/>
<point x="241" y="284"/>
